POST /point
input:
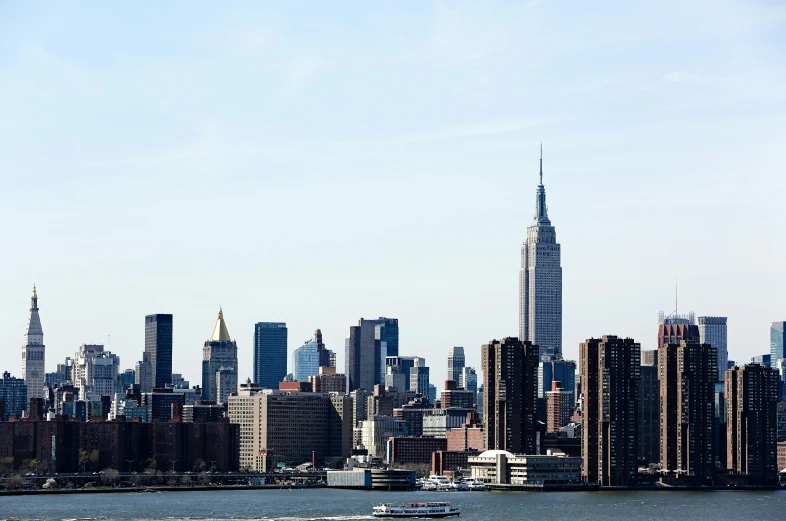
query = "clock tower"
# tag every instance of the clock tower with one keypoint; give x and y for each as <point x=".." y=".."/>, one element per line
<point x="33" y="367"/>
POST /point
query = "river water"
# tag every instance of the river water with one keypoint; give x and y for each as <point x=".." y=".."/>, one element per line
<point x="331" y="504"/>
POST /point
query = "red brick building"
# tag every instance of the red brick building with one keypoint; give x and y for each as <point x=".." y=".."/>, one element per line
<point x="414" y="450"/>
<point x="467" y="437"/>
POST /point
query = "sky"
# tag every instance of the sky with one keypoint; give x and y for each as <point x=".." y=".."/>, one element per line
<point x="318" y="162"/>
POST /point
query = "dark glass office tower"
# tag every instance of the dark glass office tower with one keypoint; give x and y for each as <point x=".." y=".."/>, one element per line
<point x="270" y="353"/>
<point x="366" y="350"/>
<point x="387" y="329"/>
<point x="158" y="343"/>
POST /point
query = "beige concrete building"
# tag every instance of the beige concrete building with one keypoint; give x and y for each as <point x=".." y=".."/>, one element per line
<point x="289" y="427"/>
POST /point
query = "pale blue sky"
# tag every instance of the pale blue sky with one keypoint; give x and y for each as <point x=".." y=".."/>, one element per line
<point x="315" y="162"/>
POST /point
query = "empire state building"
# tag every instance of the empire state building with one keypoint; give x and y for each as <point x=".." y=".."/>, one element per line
<point x="540" y="282"/>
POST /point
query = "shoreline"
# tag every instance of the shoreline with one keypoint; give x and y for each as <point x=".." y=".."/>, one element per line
<point x="510" y="488"/>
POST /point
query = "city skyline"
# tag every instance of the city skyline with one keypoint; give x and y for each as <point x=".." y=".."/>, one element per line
<point x="117" y="156"/>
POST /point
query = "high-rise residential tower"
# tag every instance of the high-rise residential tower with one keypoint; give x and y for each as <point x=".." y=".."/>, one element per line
<point x="777" y="342"/>
<point x="712" y="331"/>
<point x="687" y="373"/>
<point x="270" y="353"/>
<point x="455" y="363"/>
<point x="510" y="383"/>
<point x="649" y="407"/>
<point x="751" y="423"/>
<point x="219" y="356"/>
<point x="540" y="282"/>
<point x="158" y="346"/>
<point x="609" y="419"/>
<point x="33" y="352"/>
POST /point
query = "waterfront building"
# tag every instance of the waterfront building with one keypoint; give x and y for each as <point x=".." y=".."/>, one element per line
<point x="13" y="397"/>
<point x="377" y="430"/>
<point x="455" y="363"/>
<point x="34" y="351"/>
<point x="285" y="427"/>
<point x="687" y="374"/>
<point x="777" y="341"/>
<point x="413" y="451"/>
<point x="158" y="347"/>
<point x="504" y="468"/>
<point x="270" y="353"/>
<point x="510" y="382"/>
<point x="437" y="422"/>
<point x="649" y="409"/>
<point x="419" y="375"/>
<point x="713" y="331"/>
<point x="540" y="282"/>
<point x="609" y="416"/>
<point x="327" y="381"/>
<point x="219" y="363"/>
<point x="751" y="423"/>
<point x="559" y="407"/>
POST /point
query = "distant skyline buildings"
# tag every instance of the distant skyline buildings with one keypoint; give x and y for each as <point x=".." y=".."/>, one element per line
<point x="270" y="353"/>
<point x="540" y="281"/>
<point x="366" y="349"/>
<point x="308" y="358"/>
<point x="456" y="361"/>
<point x="219" y="363"/>
<point x="158" y="347"/>
<point x="777" y="341"/>
<point x="713" y="331"/>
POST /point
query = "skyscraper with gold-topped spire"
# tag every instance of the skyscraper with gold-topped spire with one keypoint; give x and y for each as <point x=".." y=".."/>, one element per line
<point x="219" y="363"/>
<point x="33" y="352"/>
<point x="540" y="282"/>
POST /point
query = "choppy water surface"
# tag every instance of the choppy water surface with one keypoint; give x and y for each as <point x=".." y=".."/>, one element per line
<point x="325" y="504"/>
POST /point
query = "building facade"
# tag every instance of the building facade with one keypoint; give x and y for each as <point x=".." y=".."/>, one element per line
<point x="649" y="412"/>
<point x="158" y="346"/>
<point x="687" y="374"/>
<point x="713" y="331"/>
<point x="559" y="407"/>
<point x="34" y="351"/>
<point x="609" y="419"/>
<point x="308" y="358"/>
<point x="540" y="282"/>
<point x="95" y="372"/>
<point x="419" y="375"/>
<point x="777" y="341"/>
<point x="751" y="423"/>
<point x="510" y="383"/>
<point x="366" y="350"/>
<point x="219" y="363"/>
<point x="455" y="363"/>
<point x="270" y="353"/>
<point x="13" y="397"/>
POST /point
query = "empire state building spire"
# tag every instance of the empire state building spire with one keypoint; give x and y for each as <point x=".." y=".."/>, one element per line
<point x="541" y="210"/>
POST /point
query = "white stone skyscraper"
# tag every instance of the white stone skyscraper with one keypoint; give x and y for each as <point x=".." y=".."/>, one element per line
<point x="33" y="369"/>
<point x="540" y="282"/>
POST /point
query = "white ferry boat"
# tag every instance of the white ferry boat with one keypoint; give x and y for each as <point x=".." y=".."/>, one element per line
<point x="430" y="509"/>
<point x="476" y="484"/>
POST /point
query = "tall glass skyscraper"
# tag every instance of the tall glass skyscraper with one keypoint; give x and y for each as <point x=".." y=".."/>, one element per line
<point x="777" y="342"/>
<point x="308" y="358"/>
<point x="540" y="282"/>
<point x="270" y="353"/>
<point x="158" y="346"/>
<point x="712" y="330"/>
<point x="366" y="350"/>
